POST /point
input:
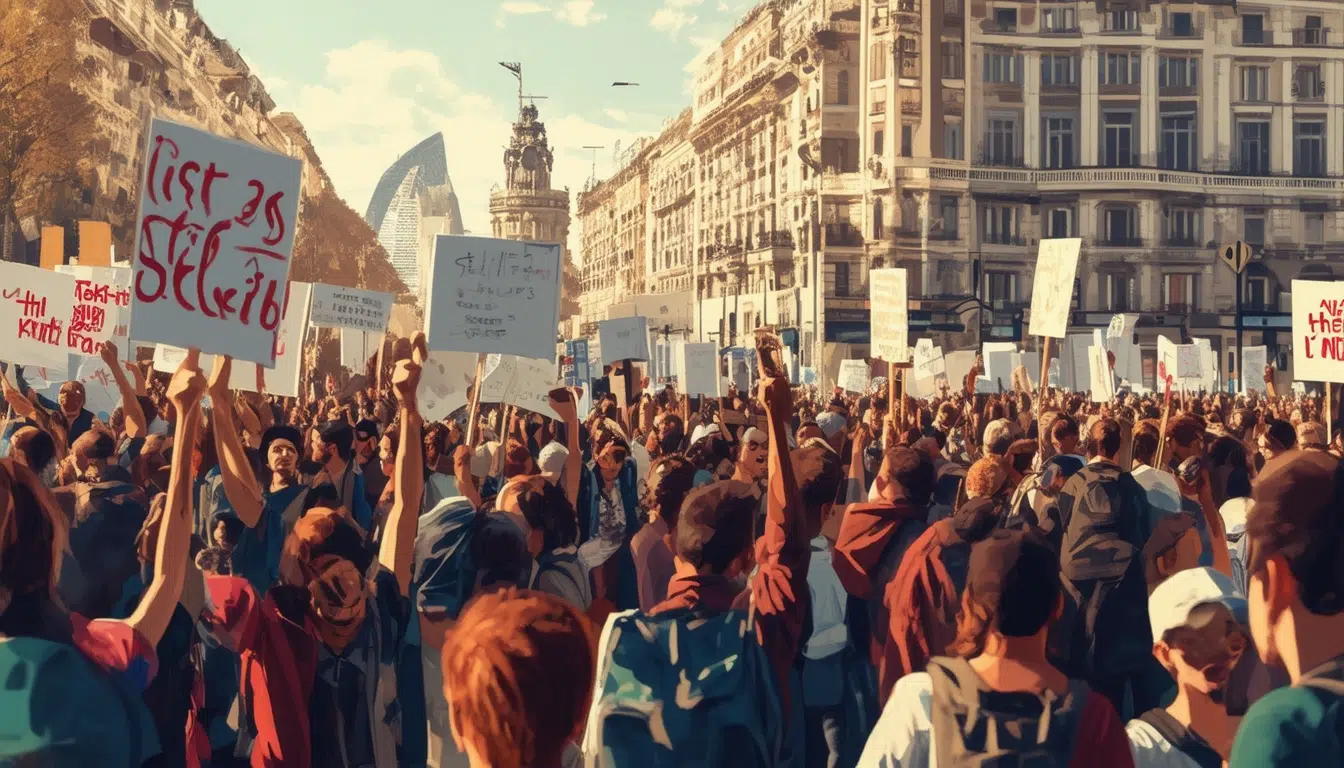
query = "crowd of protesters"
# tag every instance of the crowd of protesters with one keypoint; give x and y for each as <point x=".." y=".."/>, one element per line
<point x="772" y="578"/>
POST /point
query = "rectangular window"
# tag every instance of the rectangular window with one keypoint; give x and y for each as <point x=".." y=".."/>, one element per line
<point x="1313" y="227"/>
<point x="878" y="136"/>
<point x="1178" y="72"/>
<point x="1178" y="143"/>
<point x="1005" y="19"/>
<point x="1254" y="84"/>
<point x="1121" y="226"/>
<point x="1183" y="227"/>
<point x="1253" y="227"/>
<point x="1118" y="146"/>
<point x="954" y="61"/>
<point x="948" y="208"/>
<point x="1253" y="147"/>
<point x="1059" y="20"/>
<point x="1181" y="24"/>
<point x="952" y="148"/>
<point x="1311" y="33"/>
<point x="1061" y="222"/>
<point x="1308" y="148"/>
<point x="1179" y="292"/>
<point x="1307" y="83"/>
<point x="1002" y="288"/>
<point x="841" y="278"/>
<point x="1059" y="142"/>
<point x="1121" y="21"/>
<point x="1001" y="142"/>
<point x="1257" y="293"/>
<point x="1003" y="67"/>
<point x="1253" y="30"/>
<point x="907" y="140"/>
<point x="1059" y="69"/>
<point x="1000" y="224"/>
<point x="877" y="62"/>
<point x="1115" y="289"/>
<point x="1122" y="68"/>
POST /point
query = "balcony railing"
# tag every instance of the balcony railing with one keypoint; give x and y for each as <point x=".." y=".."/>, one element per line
<point x="1311" y="37"/>
<point x="1059" y="29"/>
<point x="1001" y="238"/>
<point x="1178" y="309"/>
<point x="843" y="236"/>
<point x="1257" y="37"/>
<point x="1180" y="241"/>
<point x="1000" y="160"/>
<point x="1191" y="32"/>
<point x="994" y="27"/>
<point x="1107" y="241"/>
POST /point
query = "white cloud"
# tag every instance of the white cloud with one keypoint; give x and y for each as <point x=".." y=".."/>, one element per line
<point x="618" y="115"/>
<point x="578" y="13"/>
<point x="673" y="16"/>
<point x="375" y="101"/>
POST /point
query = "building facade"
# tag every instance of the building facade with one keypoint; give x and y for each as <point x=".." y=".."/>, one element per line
<point x="951" y="137"/>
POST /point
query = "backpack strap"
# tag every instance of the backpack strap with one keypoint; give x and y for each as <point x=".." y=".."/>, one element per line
<point x="1328" y="677"/>
<point x="1182" y="738"/>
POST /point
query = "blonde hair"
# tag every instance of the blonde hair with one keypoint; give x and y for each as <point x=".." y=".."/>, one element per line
<point x="518" y="673"/>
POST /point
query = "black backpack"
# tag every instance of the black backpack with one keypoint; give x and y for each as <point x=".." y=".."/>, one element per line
<point x="976" y="726"/>
<point x="1182" y="738"/>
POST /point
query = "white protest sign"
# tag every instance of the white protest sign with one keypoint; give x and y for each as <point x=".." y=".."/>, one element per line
<point x="1318" y="331"/>
<point x="1208" y="365"/>
<point x="337" y="307"/>
<point x="357" y="347"/>
<point x="102" y="309"/>
<point x="1099" y="368"/>
<point x="1253" y="362"/>
<point x="699" y="368"/>
<point x="929" y="360"/>
<point x="853" y="376"/>
<point x="494" y="296"/>
<point x="625" y="338"/>
<point x="998" y="356"/>
<point x="1031" y="361"/>
<point x="985" y="386"/>
<point x="1052" y="289"/>
<point x="283" y="379"/>
<point x="35" y="310"/>
<point x="959" y="364"/>
<point x="530" y="386"/>
<point x="1188" y="363"/>
<point x="444" y="382"/>
<point x="213" y="242"/>
<point x="890" y="299"/>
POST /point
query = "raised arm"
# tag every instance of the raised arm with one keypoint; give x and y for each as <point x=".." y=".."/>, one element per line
<point x="15" y="399"/>
<point x="398" y="545"/>
<point x="136" y="424"/>
<point x="156" y="608"/>
<point x="240" y="485"/>
<point x="785" y="527"/>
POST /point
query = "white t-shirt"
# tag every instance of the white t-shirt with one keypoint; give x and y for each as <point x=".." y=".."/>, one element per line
<point x="903" y="736"/>
<point x="1152" y="751"/>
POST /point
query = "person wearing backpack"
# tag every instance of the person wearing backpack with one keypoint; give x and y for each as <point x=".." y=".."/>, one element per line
<point x="703" y="678"/>
<point x="1295" y="570"/>
<point x="73" y="686"/>
<point x="997" y="700"/>
<point x="1199" y="628"/>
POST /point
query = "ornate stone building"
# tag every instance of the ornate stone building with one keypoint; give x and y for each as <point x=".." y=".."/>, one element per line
<point x="526" y="208"/>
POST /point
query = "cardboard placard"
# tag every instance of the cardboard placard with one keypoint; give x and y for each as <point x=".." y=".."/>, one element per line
<point x="444" y="382"/>
<point x="494" y="296"/>
<point x="213" y="243"/>
<point x="1102" y="380"/>
<point x="1052" y="288"/>
<point x="625" y="338"/>
<point x="357" y="347"/>
<point x="699" y="367"/>
<point x="1253" y="362"/>
<point x="102" y="309"/>
<point x="853" y="376"/>
<point x="1318" y="331"/>
<point x="36" y="307"/>
<point x="890" y="299"/>
<point x="337" y="307"/>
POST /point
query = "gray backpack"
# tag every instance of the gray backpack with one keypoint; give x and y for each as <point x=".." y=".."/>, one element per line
<point x="976" y="726"/>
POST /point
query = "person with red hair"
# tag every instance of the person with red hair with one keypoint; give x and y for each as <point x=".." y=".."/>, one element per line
<point x="517" y="672"/>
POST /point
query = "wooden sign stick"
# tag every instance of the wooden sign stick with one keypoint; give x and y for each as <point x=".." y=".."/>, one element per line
<point x="473" y="415"/>
<point x="1040" y="395"/>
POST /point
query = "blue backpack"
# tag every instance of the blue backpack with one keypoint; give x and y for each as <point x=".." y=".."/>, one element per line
<point x="60" y="710"/>
<point x="685" y="689"/>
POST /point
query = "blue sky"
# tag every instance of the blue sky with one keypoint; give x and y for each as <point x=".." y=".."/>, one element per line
<point x="369" y="79"/>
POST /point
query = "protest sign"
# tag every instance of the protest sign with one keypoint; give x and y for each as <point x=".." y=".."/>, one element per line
<point x="1188" y="363"/>
<point x="1318" y="331"/>
<point x="36" y="307"/>
<point x="959" y="364"/>
<point x="853" y="376"/>
<point x="357" y="347"/>
<point x="213" y="242"/>
<point x="998" y="356"/>
<point x="699" y="367"/>
<point x="890" y="299"/>
<point x="102" y="310"/>
<point x="1052" y="288"/>
<point x="495" y="296"/>
<point x="1253" y="362"/>
<point x="1102" y="380"/>
<point x="625" y="338"/>
<point x="929" y="360"/>
<point x="337" y="307"/>
<point x="283" y="378"/>
<point x="1031" y="361"/>
<point x="577" y="370"/>
<point x="444" y="382"/>
<point x="1208" y="365"/>
<point x="519" y="381"/>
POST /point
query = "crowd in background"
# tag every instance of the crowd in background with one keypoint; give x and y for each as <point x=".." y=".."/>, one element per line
<point x="776" y="577"/>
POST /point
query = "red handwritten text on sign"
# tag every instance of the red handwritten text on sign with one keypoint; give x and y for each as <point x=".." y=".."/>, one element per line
<point x="1325" y="331"/>
<point x="216" y="230"/>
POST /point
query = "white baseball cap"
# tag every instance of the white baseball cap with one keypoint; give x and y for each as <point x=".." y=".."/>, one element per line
<point x="552" y="459"/>
<point x="703" y="431"/>
<point x="831" y="423"/>
<point x="1171" y="603"/>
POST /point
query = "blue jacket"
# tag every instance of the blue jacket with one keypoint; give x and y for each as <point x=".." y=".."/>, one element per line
<point x="590" y="488"/>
